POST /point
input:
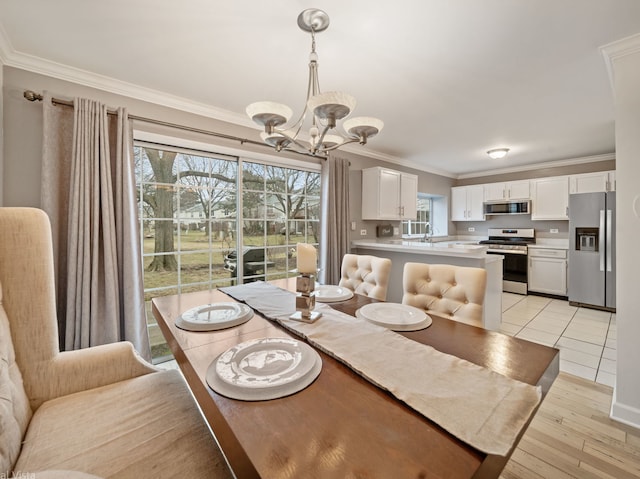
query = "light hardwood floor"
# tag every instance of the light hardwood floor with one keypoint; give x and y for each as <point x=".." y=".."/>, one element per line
<point x="571" y="436"/>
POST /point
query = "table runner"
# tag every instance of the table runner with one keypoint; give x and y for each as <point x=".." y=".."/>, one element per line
<point x="478" y="406"/>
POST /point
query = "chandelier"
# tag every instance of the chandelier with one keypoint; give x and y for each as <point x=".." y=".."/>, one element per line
<point x="326" y="109"/>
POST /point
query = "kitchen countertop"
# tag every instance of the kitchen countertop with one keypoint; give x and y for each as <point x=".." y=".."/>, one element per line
<point x="452" y="252"/>
<point x="443" y="248"/>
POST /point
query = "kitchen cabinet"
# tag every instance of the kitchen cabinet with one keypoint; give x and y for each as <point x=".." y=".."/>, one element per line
<point x="550" y="198"/>
<point x="612" y="181"/>
<point x="466" y="203"/>
<point x="600" y="181"/>
<point x="511" y="190"/>
<point x="389" y="194"/>
<point x="548" y="271"/>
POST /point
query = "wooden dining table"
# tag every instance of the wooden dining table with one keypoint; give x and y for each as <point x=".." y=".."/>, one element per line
<point x="342" y="426"/>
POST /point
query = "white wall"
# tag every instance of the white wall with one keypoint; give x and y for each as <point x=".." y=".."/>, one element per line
<point x="625" y="62"/>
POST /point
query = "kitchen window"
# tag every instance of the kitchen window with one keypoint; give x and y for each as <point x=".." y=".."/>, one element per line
<point x="422" y="223"/>
<point x="431" y="217"/>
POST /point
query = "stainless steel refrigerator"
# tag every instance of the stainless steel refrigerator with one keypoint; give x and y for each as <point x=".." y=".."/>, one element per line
<point x="592" y="249"/>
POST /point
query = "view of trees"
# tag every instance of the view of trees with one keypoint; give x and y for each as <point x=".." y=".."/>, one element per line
<point x="166" y="174"/>
<point x="292" y="198"/>
<point x="192" y="192"/>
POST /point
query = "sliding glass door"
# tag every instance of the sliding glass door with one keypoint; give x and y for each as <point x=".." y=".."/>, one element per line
<point x="213" y="220"/>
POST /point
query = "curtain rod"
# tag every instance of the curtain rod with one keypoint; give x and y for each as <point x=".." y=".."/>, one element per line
<point x="33" y="96"/>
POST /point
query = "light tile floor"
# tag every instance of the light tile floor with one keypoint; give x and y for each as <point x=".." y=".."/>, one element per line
<point x="585" y="337"/>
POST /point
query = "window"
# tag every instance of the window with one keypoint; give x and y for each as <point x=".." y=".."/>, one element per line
<point x="422" y="223"/>
<point x="280" y="207"/>
<point x="431" y="217"/>
<point x="190" y="207"/>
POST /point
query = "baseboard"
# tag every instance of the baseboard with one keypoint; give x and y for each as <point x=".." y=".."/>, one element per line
<point x="548" y="295"/>
<point x="591" y="306"/>
<point x="625" y="414"/>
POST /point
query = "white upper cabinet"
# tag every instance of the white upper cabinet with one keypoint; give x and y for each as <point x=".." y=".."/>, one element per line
<point x="550" y="198"/>
<point x="459" y="203"/>
<point x="408" y="196"/>
<point x="510" y="190"/>
<point x="612" y="181"/>
<point x="388" y="194"/>
<point x="592" y="182"/>
<point x="466" y="203"/>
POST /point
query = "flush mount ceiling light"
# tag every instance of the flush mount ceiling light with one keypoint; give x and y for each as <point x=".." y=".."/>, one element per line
<point x="325" y="109"/>
<point x="498" y="153"/>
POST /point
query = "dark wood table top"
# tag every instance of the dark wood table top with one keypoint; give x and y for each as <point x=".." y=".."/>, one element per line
<point x="341" y="425"/>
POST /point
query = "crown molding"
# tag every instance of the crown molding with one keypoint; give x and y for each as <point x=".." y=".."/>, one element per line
<point x="537" y="166"/>
<point x="101" y="82"/>
<point x="619" y="49"/>
<point x="10" y="57"/>
<point x="395" y="160"/>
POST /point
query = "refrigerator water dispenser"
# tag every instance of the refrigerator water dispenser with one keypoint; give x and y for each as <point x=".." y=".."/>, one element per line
<point x="587" y="239"/>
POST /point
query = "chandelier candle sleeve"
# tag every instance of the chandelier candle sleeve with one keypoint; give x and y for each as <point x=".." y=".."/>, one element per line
<point x="307" y="259"/>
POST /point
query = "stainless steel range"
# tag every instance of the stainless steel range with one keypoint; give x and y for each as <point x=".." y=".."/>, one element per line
<point x="512" y="243"/>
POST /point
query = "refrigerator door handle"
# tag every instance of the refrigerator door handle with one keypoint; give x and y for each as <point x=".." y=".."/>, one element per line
<point x="609" y="245"/>
<point x="601" y="240"/>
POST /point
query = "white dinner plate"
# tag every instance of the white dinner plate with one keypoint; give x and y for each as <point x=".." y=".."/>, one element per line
<point x="328" y="293"/>
<point x="265" y="368"/>
<point x="395" y="316"/>
<point x="210" y="317"/>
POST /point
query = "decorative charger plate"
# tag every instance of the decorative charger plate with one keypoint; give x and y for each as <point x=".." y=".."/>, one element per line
<point x="395" y="316"/>
<point x="329" y="293"/>
<point x="265" y="368"/>
<point x="210" y="317"/>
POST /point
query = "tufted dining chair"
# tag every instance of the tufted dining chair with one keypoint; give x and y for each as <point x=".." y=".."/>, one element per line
<point x="454" y="292"/>
<point x="365" y="274"/>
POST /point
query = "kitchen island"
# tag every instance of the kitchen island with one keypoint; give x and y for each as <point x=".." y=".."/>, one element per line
<point x="447" y="252"/>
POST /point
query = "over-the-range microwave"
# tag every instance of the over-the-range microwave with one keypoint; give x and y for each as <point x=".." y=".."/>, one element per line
<point x="513" y="207"/>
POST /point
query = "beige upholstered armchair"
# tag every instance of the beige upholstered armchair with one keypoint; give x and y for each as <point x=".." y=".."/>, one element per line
<point x="366" y="275"/>
<point x="101" y="411"/>
<point x="454" y="292"/>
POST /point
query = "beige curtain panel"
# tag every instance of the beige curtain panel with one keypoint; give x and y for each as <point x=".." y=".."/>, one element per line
<point x="88" y="190"/>
<point x="335" y="217"/>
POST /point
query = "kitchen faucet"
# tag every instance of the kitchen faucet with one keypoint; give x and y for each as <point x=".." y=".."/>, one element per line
<point x="428" y="235"/>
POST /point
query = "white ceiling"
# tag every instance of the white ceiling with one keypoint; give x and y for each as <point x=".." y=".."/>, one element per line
<point x="450" y="78"/>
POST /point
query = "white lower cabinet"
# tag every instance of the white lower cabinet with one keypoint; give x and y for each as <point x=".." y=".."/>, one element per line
<point x="548" y="271"/>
